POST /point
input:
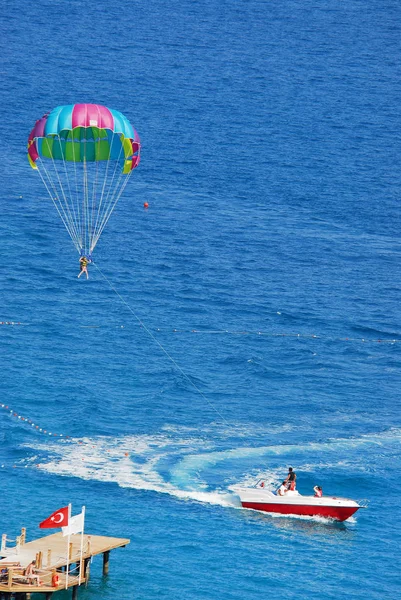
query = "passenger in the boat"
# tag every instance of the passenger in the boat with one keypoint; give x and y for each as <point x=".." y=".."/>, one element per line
<point x="282" y="490"/>
<point x="318" y="491"/>
<point x="291" y="479"/>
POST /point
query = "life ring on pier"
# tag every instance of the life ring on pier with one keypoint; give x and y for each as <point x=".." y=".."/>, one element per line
<point x="55" y="580"/>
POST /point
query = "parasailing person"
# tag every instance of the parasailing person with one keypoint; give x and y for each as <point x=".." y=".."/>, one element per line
<point x="84" y="154"/>
<point x="83" y="265"/>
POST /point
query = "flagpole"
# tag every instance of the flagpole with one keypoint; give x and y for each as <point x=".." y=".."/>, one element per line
<point x="68" y="548"/>
<point x="82" y="545"/>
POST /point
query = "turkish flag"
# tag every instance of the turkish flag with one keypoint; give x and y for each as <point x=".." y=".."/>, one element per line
<point x="58" y="519"/>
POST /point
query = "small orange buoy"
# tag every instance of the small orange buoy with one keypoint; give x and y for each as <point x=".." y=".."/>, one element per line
<point x="145" y="205"/>
<point x="55" y="580"/>
<point x="126" y="454"/>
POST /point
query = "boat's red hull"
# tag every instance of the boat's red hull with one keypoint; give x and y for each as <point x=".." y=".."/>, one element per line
<point x="340" y="513"/>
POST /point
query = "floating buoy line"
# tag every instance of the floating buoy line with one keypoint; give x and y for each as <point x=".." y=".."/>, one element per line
<point x="26" y="420"/>
<point x="234" y="332"/>
<point x="30" y="422"/>
<point x="37" y="428"/>
<point x="309" y="336"/>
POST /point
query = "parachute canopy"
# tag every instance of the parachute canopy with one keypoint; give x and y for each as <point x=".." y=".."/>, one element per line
<point x="85" y="154"/>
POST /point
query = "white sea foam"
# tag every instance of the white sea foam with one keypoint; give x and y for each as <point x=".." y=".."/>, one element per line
<point x="130" y="462"/>
<point x="179" y="464"/>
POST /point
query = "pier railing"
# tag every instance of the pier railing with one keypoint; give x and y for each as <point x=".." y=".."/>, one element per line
<point x="56" y="565"/>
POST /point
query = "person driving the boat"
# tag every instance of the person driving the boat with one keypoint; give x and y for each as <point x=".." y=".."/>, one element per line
<point x="291" y="479"/>
<point x="318" y="491"/>
<point x="282" y="490"/>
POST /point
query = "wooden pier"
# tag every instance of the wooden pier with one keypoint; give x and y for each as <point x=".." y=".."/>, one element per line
<point x="50" y="555"/>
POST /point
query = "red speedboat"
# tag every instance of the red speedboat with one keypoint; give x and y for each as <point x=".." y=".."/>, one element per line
<point x="293" y="503"/>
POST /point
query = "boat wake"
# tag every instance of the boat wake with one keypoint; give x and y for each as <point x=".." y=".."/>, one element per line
<point x="192" y="469"/>
<point x="136" y="462"/>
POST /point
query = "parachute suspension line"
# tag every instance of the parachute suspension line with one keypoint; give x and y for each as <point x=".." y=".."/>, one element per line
<point x="94" y="199"/>
<point x="72" y="214"/>
<point x="117" y="195"/>
<point x="62" y="196"/>
<point x="54" y="197"/>
<point x="105" y="179"/>
<point x="112" y="204"/>
<point x="88" y="219"/>
<point x="113" y="186"/>
<point x="85" y="208"/>
<point x="109" y="202"/>
<point x="50" y="183"/>
<point x="107" y="186"/>
<point x="77" y="196"/>
<point x="177" y="366"/>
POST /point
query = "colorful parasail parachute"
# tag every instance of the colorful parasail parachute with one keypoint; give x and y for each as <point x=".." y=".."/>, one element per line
<point x="85" y="154"/>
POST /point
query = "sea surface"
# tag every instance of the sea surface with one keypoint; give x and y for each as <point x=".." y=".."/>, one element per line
<point x="247" y="321"/>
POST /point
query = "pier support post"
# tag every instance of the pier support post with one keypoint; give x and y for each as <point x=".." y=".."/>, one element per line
<point x="75" y="592"/>
<point x="87" y="569"/>
<point x="106" y="560"/>
<point x="49" y="595"/>
<point x="10" y="579"/>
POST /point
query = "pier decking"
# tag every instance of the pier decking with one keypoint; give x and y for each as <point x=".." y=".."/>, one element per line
<point x="50" y="553"/>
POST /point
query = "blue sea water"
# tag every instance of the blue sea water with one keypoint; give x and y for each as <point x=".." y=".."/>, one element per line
<point x="247" y="321"/>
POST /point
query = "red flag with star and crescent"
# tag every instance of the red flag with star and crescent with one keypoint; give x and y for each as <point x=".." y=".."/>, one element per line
<point x="58" y="519"/>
